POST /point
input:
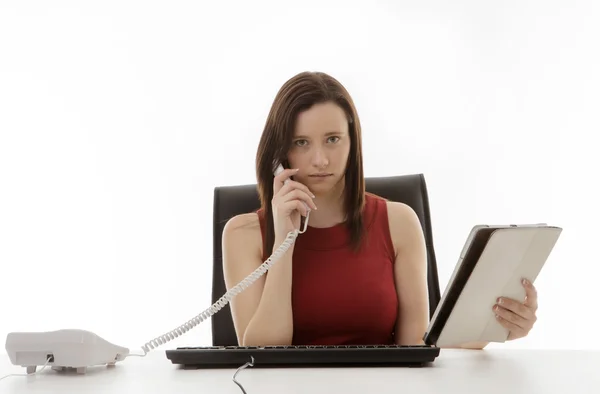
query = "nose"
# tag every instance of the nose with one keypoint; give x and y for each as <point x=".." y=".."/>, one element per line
<point x="319" y="158"/>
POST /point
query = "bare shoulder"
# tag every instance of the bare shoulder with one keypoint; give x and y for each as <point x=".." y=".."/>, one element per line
<point x="405" y="226"/>
<point x="243" y="222"/>
<point x="242" y="235"/>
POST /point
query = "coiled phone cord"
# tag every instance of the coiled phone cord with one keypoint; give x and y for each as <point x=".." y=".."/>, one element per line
<point x="224" y="300"/>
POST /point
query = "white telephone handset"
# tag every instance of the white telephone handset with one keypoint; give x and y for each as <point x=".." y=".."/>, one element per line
<point x="99" y="351"/>
<point x="279" y="170"/>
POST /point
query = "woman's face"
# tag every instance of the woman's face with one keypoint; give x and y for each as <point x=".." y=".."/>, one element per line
<point x="320" y="147"/>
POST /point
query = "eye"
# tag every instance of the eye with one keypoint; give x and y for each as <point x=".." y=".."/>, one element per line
<point x="300" y="142"/>
<point x="335" y="138"/>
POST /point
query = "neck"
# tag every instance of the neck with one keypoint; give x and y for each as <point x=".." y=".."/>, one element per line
<point x="330" y="208"/>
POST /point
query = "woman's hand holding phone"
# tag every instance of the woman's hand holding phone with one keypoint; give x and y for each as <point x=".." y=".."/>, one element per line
<point x="291" y="200"/>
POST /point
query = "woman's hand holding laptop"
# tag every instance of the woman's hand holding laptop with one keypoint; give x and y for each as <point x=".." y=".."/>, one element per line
<point x="518" y="317"/>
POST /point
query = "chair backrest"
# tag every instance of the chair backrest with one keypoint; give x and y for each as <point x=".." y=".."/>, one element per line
<point x="230" y="201"/>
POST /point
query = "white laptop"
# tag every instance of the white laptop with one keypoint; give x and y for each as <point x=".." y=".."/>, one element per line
<point x="492" y="263"/>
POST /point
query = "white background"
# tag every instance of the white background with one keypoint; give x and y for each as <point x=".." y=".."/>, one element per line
<point x="118" y="118"/>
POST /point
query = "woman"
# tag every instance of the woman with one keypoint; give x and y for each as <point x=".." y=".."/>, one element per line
<point x="358" y="275"/>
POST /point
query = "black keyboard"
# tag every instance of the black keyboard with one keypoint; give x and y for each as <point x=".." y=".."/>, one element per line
<point x="308" y="356"/>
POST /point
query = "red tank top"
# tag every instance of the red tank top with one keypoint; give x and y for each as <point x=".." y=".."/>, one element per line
<point x="340" y="297"/>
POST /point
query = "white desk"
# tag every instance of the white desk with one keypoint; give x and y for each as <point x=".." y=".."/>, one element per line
<point x="454" y="371"/>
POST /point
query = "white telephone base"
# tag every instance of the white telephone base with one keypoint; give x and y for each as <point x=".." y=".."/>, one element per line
<point x="62" y="349"/>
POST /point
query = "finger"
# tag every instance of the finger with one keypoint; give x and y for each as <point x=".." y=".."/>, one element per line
<point x="292" y="185"/>
<point x="288" y="207"/>
<point x="298" y="206"/>
<point x="280" y="179"/>
<point x="531" y="297"/>
<point x="510" y="316"/>
<point x="299" y="195"/>
<point x="515" y="307"/>
<point x="515" y="331"/>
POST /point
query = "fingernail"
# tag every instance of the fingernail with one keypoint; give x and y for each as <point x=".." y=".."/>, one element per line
<point x="525" y="281"/>
<point x="296" y="169"/>
<point x="499" y="300"/>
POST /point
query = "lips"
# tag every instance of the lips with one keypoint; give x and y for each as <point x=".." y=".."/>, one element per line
<point x="320" y="175"/>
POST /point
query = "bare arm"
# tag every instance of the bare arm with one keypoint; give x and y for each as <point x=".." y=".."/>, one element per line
<point x="262" y="314"/>
<point x="410" y="271"/>
<point x="411" y="277"/>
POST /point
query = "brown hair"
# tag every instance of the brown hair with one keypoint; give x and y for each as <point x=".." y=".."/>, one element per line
<point x="298" y="94"/>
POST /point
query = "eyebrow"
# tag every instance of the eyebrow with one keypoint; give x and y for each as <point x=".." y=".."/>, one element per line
<point x="328" y="134"/>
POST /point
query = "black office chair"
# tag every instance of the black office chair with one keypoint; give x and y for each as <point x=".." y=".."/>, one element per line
<point x="230" y="201"/>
